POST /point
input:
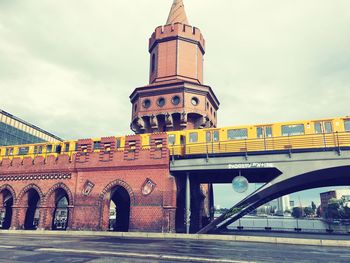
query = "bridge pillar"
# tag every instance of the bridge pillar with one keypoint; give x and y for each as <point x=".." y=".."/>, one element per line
<point x="188" y="203"/>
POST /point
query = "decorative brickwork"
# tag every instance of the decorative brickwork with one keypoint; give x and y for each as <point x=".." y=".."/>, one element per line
<point x="104" y="170"/>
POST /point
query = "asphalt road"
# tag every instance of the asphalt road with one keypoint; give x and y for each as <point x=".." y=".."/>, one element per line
<point x="41" y="248"/>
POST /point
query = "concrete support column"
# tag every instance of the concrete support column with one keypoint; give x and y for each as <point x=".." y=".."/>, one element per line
<point x="188" y="203"/>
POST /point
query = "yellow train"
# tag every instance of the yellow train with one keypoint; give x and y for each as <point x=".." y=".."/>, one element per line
<point x="310" y="134"/>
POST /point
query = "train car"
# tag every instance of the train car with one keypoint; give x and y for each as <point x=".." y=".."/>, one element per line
<point x="309" y="134"/>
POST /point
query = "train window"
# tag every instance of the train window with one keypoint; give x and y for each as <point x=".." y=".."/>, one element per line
<point x="58" y="149"/>
<point x="117" y="143"/>
<point x="347" y="125"/>
<point x="193" y="137"/>
<point x="171" y="139"/>
<point x="49" y="148"/>
<point x="318" y="127"/>
<point x="9" y="151"/>
<point x="208" y="136"/>
<point x="23" y="150"/>
<point x="216" y="136"/>
<point x="66" y="149"/>
<point x="38" y="150"/>
<point x="295" y="129"/>
<point x="237" y="134"/>
<point x="97" y="145"/>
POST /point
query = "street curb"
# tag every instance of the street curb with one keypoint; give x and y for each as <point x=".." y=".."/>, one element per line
<point x="254" y="239"/>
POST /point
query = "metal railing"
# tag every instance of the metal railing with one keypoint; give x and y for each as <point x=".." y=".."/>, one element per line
<point x="331" y="141"/>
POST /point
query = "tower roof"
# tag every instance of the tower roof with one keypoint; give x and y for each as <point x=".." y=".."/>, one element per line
<point x="177" y="13"/>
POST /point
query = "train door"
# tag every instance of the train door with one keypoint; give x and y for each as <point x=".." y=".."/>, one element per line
<point x="326" y="129"/>
<point x="265" y="133"/>
<point x="212" y="141"/>
<point x="323" y="127"/>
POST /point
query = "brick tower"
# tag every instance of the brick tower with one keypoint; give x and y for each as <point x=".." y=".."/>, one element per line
<point x="176" y="97"/>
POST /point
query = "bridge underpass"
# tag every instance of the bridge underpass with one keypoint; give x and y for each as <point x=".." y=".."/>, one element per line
<point x="282" y="172"/>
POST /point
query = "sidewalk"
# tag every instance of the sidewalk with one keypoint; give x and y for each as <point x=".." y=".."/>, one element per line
<point x="236" y="238"/>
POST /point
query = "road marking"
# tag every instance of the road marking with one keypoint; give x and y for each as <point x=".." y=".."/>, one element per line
<point x="7" y="246"/>
<point x="139" y="255"/>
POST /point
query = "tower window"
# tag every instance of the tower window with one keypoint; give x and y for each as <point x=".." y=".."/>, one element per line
<point x="146" y="103"/>
<point x="195" y="101"/>
<point x="175" y="100"/>
<point x="161" y="102"/>
<point x="153" y="62"/>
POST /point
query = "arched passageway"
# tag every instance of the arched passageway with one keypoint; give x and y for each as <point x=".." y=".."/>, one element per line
<point x="31" y="221"/>
<point x="119" y="209"/>
<point x="6" y="212"/>
<point x="60" y="213"/>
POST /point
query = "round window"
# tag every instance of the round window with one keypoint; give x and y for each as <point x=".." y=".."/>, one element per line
<point x="175" y="100"/>
<point x="146" y="103"/>
<point x="195" y="101"/>
<point x="161" y="102"/>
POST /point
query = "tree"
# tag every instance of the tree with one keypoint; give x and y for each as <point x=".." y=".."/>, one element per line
<point x="333" y="210"/>
<point x="313" y="206"/>
<point x="319" y="211"/>
<point x="308" y="211"/>
<point x="297" y="212"/>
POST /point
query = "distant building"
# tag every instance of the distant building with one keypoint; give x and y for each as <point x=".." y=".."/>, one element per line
<point x="14" y="131"/>
<point x="277" y="206"/>
<point x="333" y="194"/>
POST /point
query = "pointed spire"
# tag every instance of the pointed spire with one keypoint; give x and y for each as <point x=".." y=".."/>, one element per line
<point x="177" y="13"/>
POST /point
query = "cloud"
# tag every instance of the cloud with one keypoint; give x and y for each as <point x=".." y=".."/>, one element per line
<point x="69" y="66"/>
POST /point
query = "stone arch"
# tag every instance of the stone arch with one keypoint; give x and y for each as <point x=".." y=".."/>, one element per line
<point x="7" y="198"/>
<point x="26" y="189"/>
<point x="58" y="217"/>
<point x="104" y="203"/>
<point x="10" y="189"/>
<point x="118" y="183"/>
<point x="57" y="186"/>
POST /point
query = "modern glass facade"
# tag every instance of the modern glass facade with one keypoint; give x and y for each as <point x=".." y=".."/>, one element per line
<point x="14" y="131"/>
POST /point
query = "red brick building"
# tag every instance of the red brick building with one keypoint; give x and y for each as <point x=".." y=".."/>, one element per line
<point x="75" y="191"/>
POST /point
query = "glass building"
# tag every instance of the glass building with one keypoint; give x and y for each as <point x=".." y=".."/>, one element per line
<point x="14" y="131"/>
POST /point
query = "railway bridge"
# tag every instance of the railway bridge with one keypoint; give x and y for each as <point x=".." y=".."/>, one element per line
<point x="283" y="172"/>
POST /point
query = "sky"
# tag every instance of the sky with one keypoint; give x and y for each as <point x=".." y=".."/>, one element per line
<point x="70" y="66"/>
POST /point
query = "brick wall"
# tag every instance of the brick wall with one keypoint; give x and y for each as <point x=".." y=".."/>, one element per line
<point x="89" y="178"/>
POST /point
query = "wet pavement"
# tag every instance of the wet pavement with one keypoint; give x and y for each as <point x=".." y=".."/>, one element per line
<point x="49" y="248"/>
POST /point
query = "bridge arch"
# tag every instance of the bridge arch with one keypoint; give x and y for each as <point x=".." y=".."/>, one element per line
<point x="287" y="184"/>
<point x="59" y="203"/>
<point x="29" y="203"/>
<point x="117" y="195"/>
<point x="7" y="198"/>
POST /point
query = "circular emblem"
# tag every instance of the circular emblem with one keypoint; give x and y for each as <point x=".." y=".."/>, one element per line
<point x="240" y="184"/>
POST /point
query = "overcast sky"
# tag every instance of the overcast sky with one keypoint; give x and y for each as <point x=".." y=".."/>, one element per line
<point x="69" y="66"/>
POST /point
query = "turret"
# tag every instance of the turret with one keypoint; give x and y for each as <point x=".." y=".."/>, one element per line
<point x="176" y="97"/>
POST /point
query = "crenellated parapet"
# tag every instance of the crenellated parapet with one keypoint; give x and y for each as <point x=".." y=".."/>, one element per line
<point x="89" y="155"/>
<point x="177" y="31"/>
